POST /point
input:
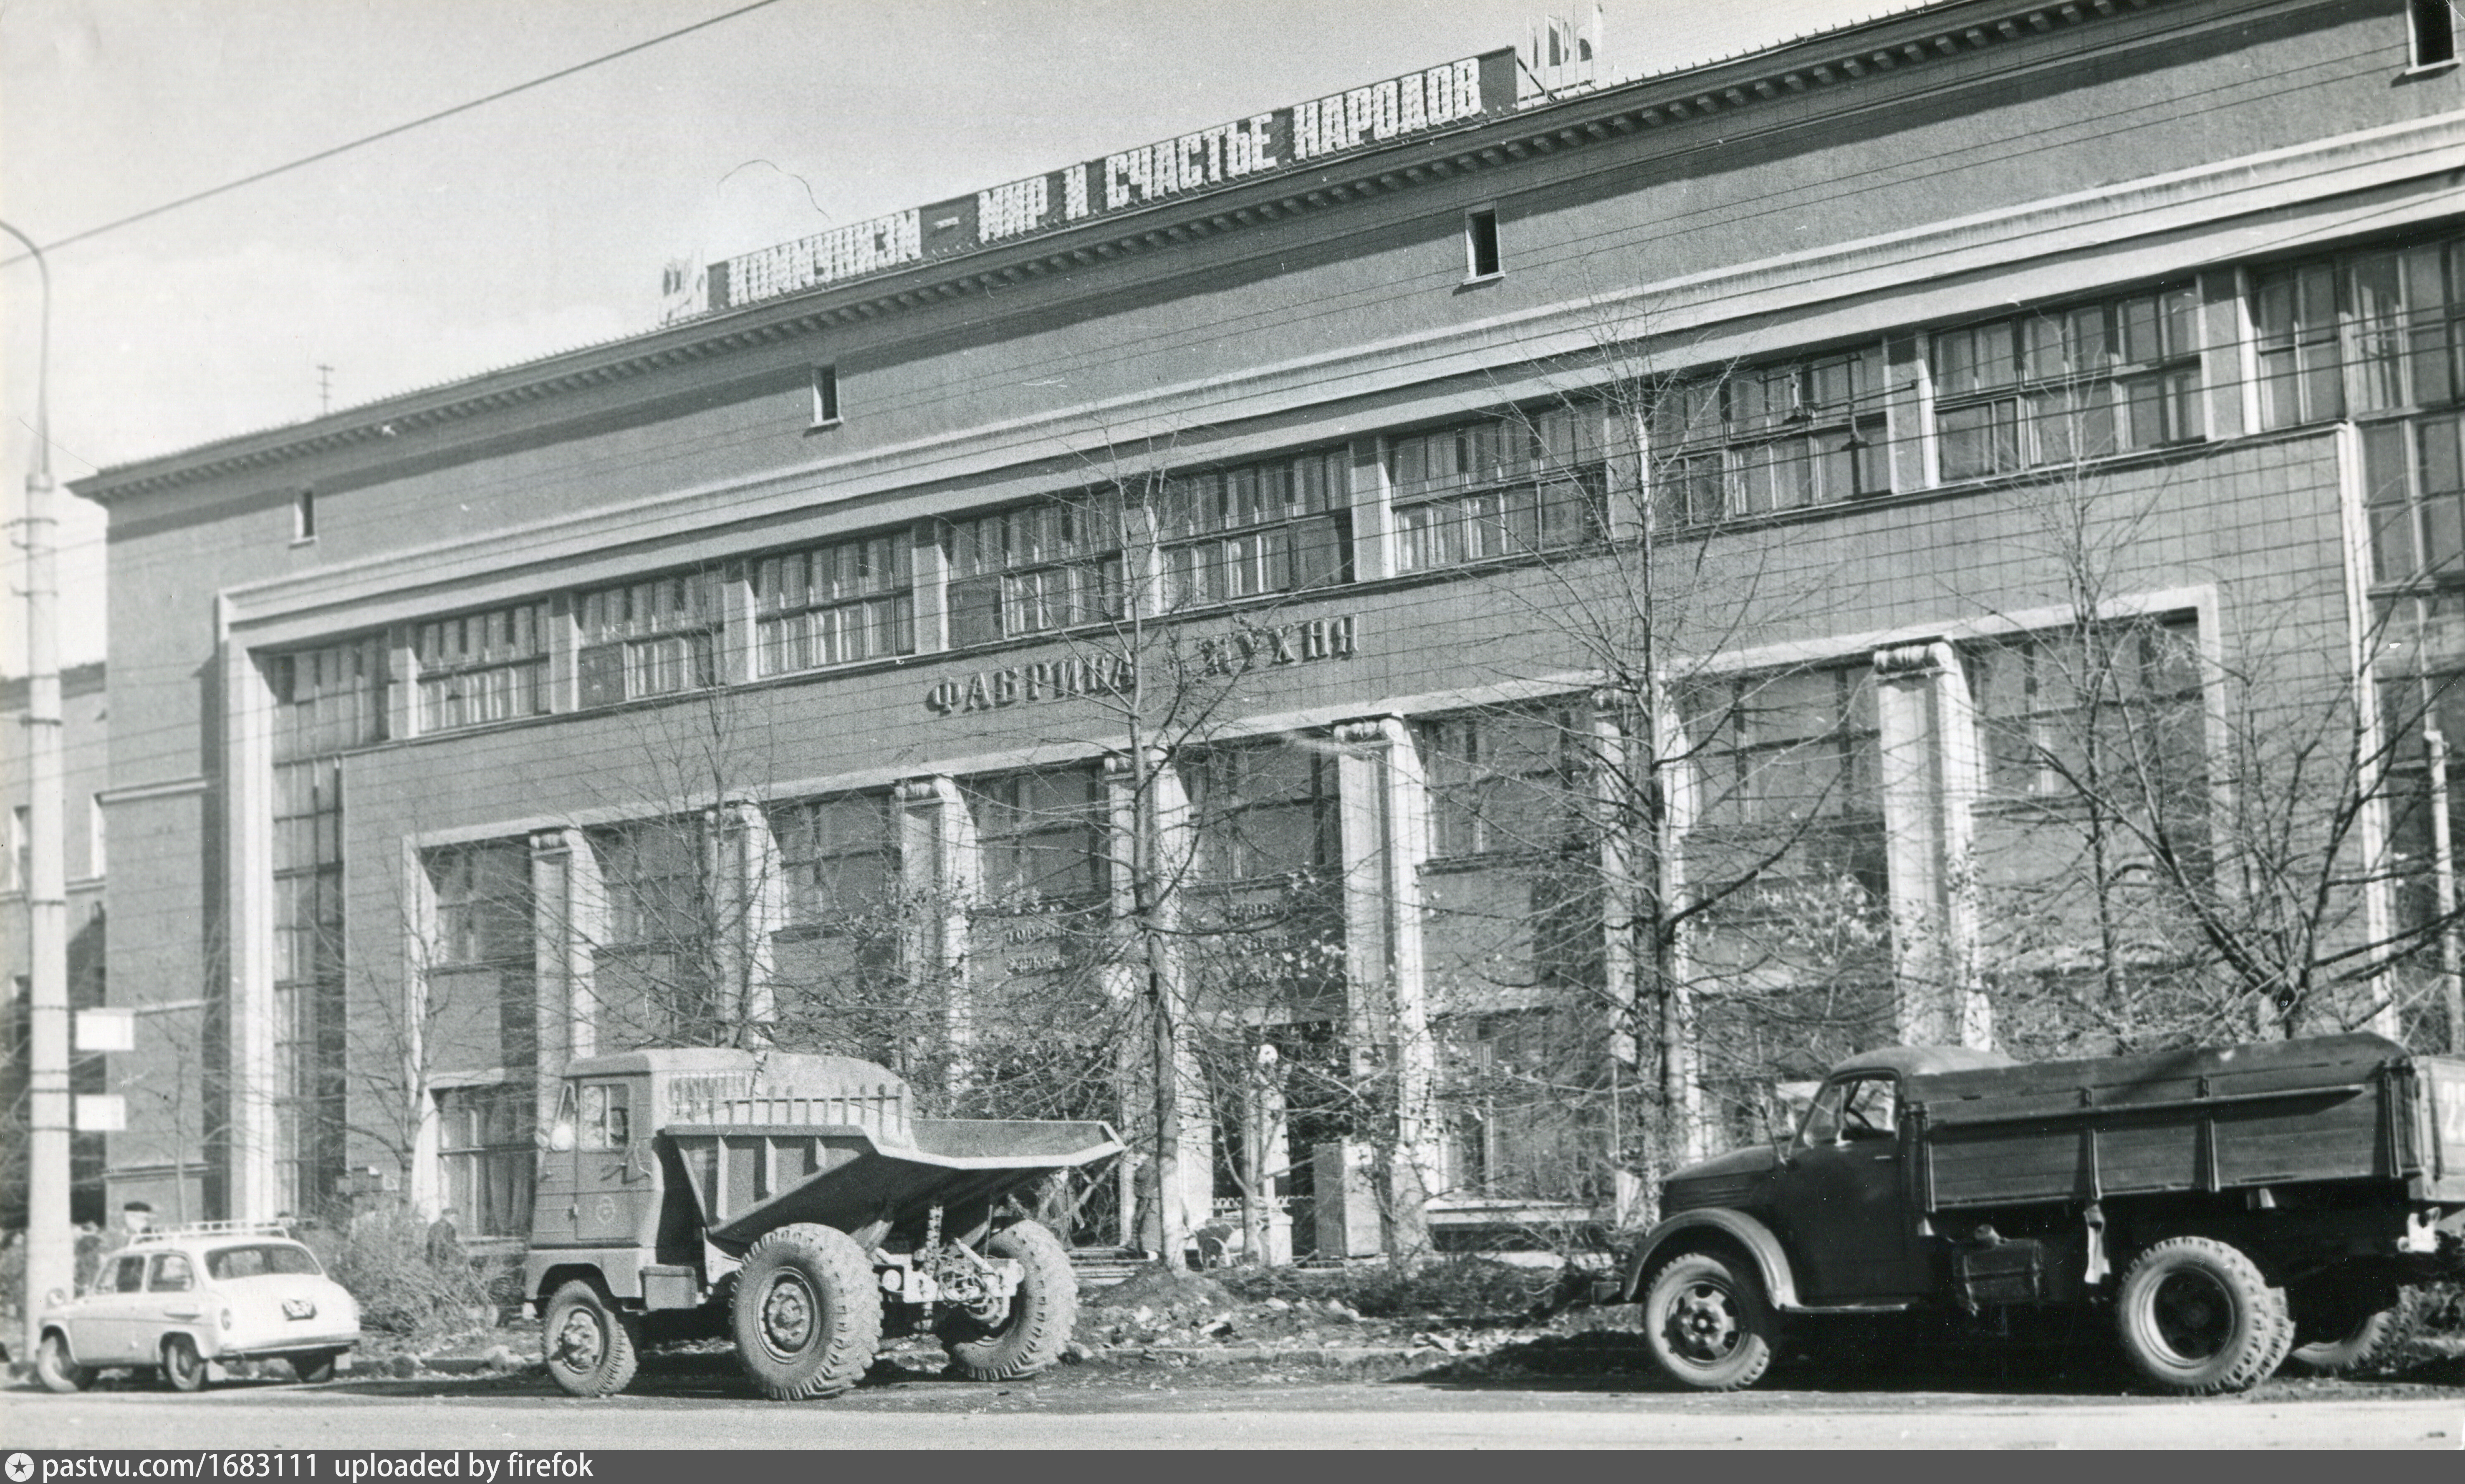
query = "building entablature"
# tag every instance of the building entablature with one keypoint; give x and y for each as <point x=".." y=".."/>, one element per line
<point x="1840" y="62"/>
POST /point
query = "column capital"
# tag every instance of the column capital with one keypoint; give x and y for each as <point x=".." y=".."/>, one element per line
<point x="1369" y="731"/>
<point x="1914" y="659"/>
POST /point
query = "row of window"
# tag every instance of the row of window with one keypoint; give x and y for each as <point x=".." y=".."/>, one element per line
<point x="2372" y="332"/>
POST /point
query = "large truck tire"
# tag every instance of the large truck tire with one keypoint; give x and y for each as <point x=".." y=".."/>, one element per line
<point x="589" y="1349"/>
<point x="2338" y="1328"/>
<point x="1708" y="1321"/>
<point x="1030" y="1331"/>
<point x="807" y="1315"/>
<point x="2197" y="1317"/>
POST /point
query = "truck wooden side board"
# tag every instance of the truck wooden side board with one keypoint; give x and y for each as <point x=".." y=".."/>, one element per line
<point x="2227" y="1206"/>
<point x="792" y="1203"/>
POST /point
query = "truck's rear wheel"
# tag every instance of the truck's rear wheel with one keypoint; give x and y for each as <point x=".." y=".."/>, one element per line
<point x="1708" y="1323"/>
<point x="2196" y="1316"/>
<point x="588" y="1346"/>
<point x="2339" y="1327"/>
<point x="1028" y="1333"/>
<point x="807" y="1315"/>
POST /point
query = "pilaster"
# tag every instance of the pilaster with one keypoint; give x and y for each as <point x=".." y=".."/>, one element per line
<point x="1930" y="781"/>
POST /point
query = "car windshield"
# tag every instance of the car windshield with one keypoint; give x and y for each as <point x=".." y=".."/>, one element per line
<point x="259" y="1258"/>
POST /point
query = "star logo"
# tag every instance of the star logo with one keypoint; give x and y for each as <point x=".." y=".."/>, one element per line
<point x="21" y="1468"/>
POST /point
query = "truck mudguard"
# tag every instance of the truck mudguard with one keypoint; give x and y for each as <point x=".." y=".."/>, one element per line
<point x="1772" y="1263"/>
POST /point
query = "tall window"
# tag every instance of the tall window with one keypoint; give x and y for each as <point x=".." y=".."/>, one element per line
<point x="1040" y="835"/>
<point x="1499" y="487"/>
<point x="485" y="1149"/>
<point x="483" y="902"/>
<point x="649" y="638"/>
<point x="1265" y="810"/>
<point x="841" y="856"/>
<point x="1262" y="528"/>
<point x="1787" y="748"/>
<point x="1037" y="569"/>
<point x="652" y="875"/>
<point x="2062" y="384"/>
<point x="482" y="667"/>
<point x="1762" y="439"/>
<point x="2371" y="331"/>
<point x="326" y="700"/>
<point x="2415" y="470"/>
<point x="834" y="605"/>
<point x="2130" y="689"/>
<point x="1787" y="778"/>
<point x="1500" y="782"/>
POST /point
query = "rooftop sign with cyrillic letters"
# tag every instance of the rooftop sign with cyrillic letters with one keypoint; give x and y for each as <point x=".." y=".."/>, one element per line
<point x="1210" y="159"/>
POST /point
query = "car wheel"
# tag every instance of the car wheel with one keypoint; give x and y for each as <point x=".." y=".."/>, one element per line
<point x="57" y="1372"/>
<point x="2197" y="1317"/>
<point x="314" y="1368"/>
<point x="182" y="1366"/>
<point x="589" y="1347"/>
<point x="1029" y="1332"/>
<point x="1708" y="1323"/>
<point x="807" y="1315"/>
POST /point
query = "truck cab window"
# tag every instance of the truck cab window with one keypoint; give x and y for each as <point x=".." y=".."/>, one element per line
<point x="604" y="1121"/>
<point x="1871" y="1110"/>
<point x="1853" y="1108"/>
<point x="1823" y="1119"/>
<point x="559" y="1134"/>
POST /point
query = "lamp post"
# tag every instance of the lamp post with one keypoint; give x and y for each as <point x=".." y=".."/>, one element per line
<point x="51" y="1260"/>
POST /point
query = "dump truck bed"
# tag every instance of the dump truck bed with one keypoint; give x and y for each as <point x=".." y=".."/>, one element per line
<point x="2331" y="1108"/>
<point x="752" y="1178"/>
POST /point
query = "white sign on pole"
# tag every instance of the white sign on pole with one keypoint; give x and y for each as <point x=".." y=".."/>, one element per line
<point x="106" y="1030"/>
<point x="102" y="1113"/>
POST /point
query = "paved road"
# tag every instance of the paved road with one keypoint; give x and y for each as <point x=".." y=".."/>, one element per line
<point x="1134" y="1410"/>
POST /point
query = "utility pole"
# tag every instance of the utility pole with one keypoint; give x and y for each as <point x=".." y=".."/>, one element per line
<point x="50" y="1258"/>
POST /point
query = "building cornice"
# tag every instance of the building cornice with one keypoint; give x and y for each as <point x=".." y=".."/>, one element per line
<point x="1833" y="61"/>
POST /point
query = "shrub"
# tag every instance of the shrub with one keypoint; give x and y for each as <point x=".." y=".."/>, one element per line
<point x="383" y="1258"/>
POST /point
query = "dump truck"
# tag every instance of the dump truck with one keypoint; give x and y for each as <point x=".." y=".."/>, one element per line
<point x="2223" y="1207"/>
<point x="791" y="1203"/>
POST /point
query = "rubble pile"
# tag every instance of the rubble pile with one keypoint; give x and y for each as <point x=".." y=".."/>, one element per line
<point x="1269" y="1314"/>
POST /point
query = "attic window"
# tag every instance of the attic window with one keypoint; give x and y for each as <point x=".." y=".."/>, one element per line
<point x="2433" y="27"/>
<point x="1480" y="243"/>
<point x="826" y="396"/>
<point x="303" y="515"/>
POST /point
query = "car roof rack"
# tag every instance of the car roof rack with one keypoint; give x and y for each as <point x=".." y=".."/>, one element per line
<point x="201" y="1228"/>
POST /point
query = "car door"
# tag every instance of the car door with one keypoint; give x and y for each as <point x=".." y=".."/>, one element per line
<point x="1841" y="1198"/>
<point x="106" y="1329"/>
<point x="172" y="1302"/>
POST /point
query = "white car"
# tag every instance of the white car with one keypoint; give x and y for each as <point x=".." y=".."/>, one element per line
<point x="186" y="1301"/>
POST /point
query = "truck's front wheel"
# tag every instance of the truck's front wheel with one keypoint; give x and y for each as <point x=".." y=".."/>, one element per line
<point x="1029" y="1332"/>
<point x="2198" y="1317"/>
<point x="1708" y="1323"/>
<point x="589" y="1349"/>
<point x="807" y="1315"/>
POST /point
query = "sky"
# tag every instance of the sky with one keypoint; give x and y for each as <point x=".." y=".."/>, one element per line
<point x="541" y="222"/>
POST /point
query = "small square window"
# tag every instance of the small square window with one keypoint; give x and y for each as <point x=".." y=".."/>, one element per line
<point x="2433" y="27"/>
<point x="826" y="396"/>
<point x="1480" y="243"/>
